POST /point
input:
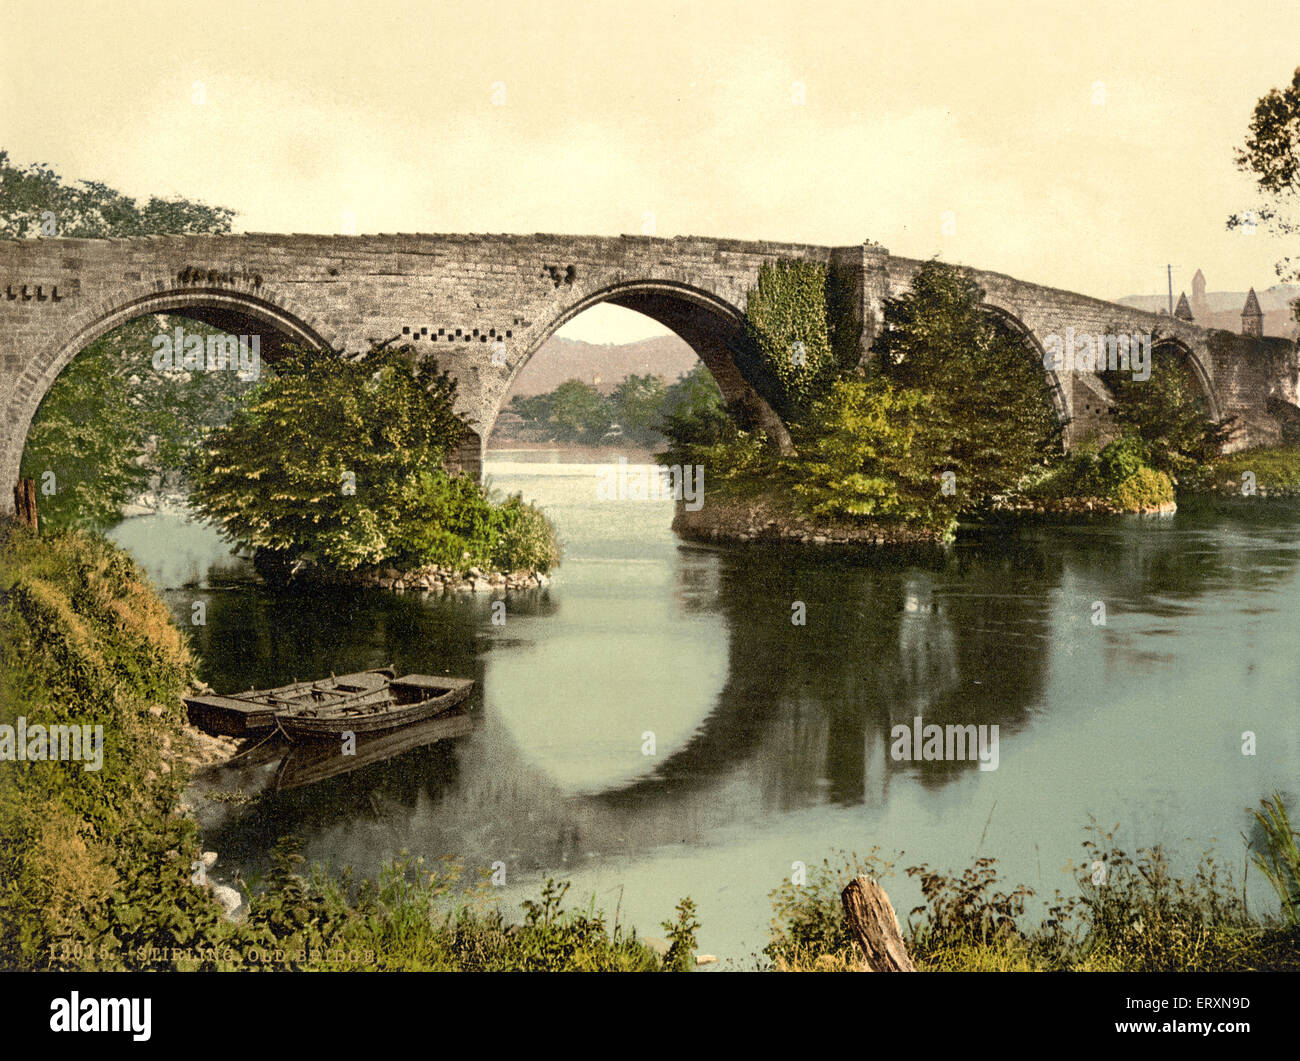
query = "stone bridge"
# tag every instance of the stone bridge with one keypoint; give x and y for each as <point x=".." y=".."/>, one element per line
<point x="484" y="304"/>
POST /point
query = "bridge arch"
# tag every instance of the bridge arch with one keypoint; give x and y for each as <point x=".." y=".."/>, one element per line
<point x="708" y="324"/>
<point x="1188" y="358"/>
<point x="233" y="311"/>
<point x="1021" y="330"/>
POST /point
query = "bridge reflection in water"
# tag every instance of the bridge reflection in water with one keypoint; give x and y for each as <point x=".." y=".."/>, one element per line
<point x="772" y="740"/>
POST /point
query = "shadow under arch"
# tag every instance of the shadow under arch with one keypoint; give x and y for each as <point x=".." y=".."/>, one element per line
<point x="709" y="325"/>
<point x="220" y="308"/>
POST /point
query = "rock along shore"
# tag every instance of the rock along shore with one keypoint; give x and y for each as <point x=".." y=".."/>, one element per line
<point x="759" y="519"/>
<point x="1075" y="506"/>
<point x="433" y="579"/>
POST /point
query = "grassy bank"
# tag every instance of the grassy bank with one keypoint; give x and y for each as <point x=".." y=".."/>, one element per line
<point x="1263" y="472"/>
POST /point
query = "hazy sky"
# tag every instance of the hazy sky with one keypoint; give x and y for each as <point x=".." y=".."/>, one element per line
<point x="1083" y="146"/>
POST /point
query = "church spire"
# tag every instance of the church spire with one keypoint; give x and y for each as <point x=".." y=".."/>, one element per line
<point x="1252" y="317"/>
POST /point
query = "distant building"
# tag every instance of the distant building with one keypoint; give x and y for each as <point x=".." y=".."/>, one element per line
<point x="1268" y="313"/>
<point x="1252" y="317"/>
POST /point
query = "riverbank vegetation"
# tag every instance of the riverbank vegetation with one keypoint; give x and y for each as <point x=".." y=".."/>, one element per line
<point x="1115" y="477"/>
<point x="950" y="420"/>
<point x="1130" y="913"/>
<point x="1263" y="472"/>
<point x="639" y="411"/>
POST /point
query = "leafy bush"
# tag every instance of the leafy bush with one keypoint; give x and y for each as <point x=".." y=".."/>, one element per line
<point x="1117" y="474"/>
<point x="809" y="926"/>
<point x="1119" y="460"/>
<point x="341" y="461"/>
<point x="451" y="521"/>
<point x="444" y="517"/>
<point x="857" y="462"/>
<point x="965" y="910"/>
<point x="1168" y="412"/>
<point x="527" y="538"/>
<point x="989" y="418"/>
<point x="1144" y="490"/>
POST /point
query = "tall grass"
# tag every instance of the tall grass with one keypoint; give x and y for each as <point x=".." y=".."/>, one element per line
<point x="1129" y="913"/>
<point x="1280" y="859"/>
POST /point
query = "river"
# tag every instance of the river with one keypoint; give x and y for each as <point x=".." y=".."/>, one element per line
<point x="654" y="724"/>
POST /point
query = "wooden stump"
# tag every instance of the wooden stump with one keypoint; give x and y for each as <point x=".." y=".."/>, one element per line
<point x="874" y="925"/>
<point x="25" y="502"/>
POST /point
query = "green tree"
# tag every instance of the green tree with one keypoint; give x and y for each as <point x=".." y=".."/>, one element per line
<point x="579" y="412"/>
<point x="1271" y="155"/>
<point x="693" y="410"/>
<point x="112" y="426"/>
<point x="535" y="409"/>
<point x="88" y="209"/>
<point x="318" y="462"/>
<point x="989" y="416"/>
<point x="856" y="463"/>
<point x="638" y="406"/>
<point x="86" y="446"/>
<point x="1168" y="412"/>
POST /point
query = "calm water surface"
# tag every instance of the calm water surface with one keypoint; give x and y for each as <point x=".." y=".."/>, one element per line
<point x="771" y="741"/>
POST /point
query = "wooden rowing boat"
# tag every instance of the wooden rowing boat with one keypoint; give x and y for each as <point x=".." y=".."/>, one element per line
<point x="401" y="702"/>
<point x="365" y="694"/>
<point x="242" y="714"/>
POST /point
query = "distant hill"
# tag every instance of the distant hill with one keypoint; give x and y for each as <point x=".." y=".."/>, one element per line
<point x="1222" y="309"/>
<point x="564" y="359"/>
